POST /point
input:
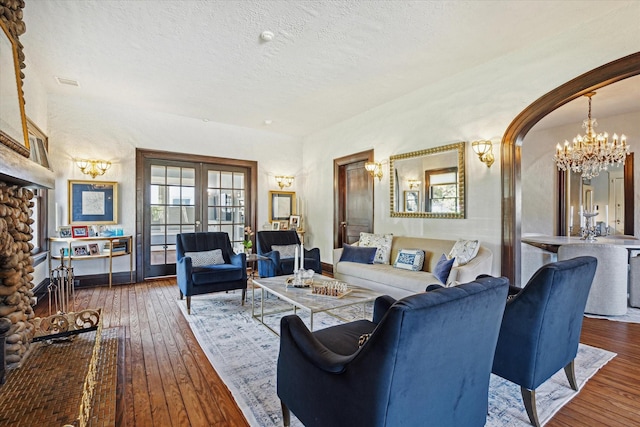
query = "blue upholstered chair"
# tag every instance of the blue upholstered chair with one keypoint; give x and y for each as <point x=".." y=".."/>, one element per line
<point x="541" y="327"/>
<point x="427" y="361"/>
<point x="277" y="264"/>
<point x="200" y="269"/>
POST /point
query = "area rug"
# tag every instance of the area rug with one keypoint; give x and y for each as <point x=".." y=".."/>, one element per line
<point x="632" y="316"/>
<point x="244" y="353"/>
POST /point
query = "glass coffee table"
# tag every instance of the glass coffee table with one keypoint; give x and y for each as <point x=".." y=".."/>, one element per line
<point x="304" y="299"/>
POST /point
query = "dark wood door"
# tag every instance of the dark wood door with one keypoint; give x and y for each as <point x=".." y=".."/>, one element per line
<point x="354" y="198"/>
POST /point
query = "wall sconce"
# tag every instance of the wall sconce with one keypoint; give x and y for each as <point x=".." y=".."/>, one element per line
<point x="93" y="167"/>
<point x="413" y="183"/>
<point x="484" y="150"/>
<point x="284" y="181"/>
<point x="374" y="169"/>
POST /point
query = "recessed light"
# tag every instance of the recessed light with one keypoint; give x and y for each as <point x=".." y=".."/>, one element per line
<point x="266" y="36"/>
<point x="268" y="122"/>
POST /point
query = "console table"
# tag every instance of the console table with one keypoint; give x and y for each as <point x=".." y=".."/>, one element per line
<point x="69" y="242"/>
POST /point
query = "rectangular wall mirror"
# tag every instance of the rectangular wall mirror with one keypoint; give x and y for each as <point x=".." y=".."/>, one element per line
<point x="282" y="204"/>
<point x="428" y="183"/>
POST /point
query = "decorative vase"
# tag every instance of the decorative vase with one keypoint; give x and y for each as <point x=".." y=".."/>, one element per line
<point x="248" y="251"/>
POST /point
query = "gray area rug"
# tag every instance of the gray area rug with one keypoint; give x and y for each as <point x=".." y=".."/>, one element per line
<point x="632" y="316"/>
<point x="244" y="353"/>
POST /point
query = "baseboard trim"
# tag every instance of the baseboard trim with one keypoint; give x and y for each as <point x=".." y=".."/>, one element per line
<point x="327" y="268"/>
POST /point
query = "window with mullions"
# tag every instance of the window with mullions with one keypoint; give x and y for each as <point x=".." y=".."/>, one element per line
<point x="442" y="190"/>
<point x="226" y="204"/>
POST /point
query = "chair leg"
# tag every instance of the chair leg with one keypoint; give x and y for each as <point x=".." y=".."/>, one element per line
<point x="571" y="375"/>
<point x="529" y="399"/>
<point x="244" y="295"/>
<point x="286" y="415"/>
<point x="181" y="296"/>
<point x="189" y="304"/>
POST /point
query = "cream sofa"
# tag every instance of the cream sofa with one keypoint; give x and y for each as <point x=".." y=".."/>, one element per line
<point x="398" y="283"/>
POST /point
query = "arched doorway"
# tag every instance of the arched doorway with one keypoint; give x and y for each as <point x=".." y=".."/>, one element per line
<point x="511" y="188"/>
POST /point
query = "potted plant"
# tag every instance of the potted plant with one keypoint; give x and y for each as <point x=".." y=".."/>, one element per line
<point x="247" y="243"/>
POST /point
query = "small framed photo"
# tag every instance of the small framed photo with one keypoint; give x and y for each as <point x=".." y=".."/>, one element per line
<point x="294" y="222"/>
<point x="284" y="225"/>
<point x="80" y="250"/>
<point x="94" y="249"/>
<point x="78" y="231"/>
<point x="64" y="231"/>
<point x="275" y="225"/>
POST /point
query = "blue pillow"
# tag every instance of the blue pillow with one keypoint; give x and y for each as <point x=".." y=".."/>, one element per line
<point x="359" y="254"/>
<point x="443" y="268"/>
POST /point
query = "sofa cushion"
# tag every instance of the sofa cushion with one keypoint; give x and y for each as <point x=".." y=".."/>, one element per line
<point x="362" y="255"/>
<point x="216" y="274"/>
<point x="286" y="251"/>
<point x="409" y="259"/>
<point x="368" y="275"/>
<point x="443" y="268"/>
<point x="202" y="258"/>
<point x="380" y="241"/>
<point x="464" y="251"/>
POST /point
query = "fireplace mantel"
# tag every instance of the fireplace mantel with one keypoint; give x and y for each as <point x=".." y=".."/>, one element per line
<point x="17" y="169"/>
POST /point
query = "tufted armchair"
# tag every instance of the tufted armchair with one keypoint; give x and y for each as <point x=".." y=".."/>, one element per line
<point x="415" y="369"/>
<point x="199" y="270"/>
<point x="541" y="327"/>
<point x="279" y="265"/>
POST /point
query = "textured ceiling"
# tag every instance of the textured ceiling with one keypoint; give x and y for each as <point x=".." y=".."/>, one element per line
<point x="328" y="60"/>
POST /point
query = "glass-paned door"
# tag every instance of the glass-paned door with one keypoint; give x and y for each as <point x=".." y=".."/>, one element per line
<point x="185" y="197"/>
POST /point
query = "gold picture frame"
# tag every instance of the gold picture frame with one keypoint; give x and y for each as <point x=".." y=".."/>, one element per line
<point x="93" y="202"/>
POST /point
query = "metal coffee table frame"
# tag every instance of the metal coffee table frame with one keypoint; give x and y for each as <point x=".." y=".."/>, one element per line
<point x="303" y="299"/>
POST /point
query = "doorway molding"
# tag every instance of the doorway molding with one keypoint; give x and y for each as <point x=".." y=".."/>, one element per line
<point x="604" y="75"/>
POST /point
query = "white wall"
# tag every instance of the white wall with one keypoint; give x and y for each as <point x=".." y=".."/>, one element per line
<point x="539" y="180"/>
<point x="80" y="129"/>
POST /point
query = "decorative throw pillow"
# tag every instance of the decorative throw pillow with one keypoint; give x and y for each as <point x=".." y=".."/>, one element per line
<point x="286" y="251"/>
<point x="409" y="259"/>
<point x="464" y="251"/>
<point x="358" y="254"/>
<point x="443" y="268"/>
<point x="202" y="258"/>
<point x="380" y="241"/>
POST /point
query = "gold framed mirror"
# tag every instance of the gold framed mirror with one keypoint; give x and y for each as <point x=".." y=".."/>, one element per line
<point x="13" y="122"/>
<point x="282" y="204"/>
<point x="436" y="175"/>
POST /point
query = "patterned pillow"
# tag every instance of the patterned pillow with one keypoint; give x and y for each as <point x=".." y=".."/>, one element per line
<point x="409" y="259"/>
<point x="380" y="241"/>
<point x="286" y="251"/>
<point x="202" y="258"/>
<point x="464" y="251"/>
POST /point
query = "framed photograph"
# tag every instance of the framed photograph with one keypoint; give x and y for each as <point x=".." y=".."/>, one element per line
<point x="275" y="225"/>
<point x="38" y="144"/>
<point x="282" y="204"/>
<point x="80" y="250"/>
<point x="294" y="222"/>
<point x="93" y="202"/>
<point x="79" y="231"/>
<point x="411" y="200"/>
<point x="94" y="249"/>
<point x="284" y="225"/>
<point x="13" y="121"/>
<point x="64" y="231"/>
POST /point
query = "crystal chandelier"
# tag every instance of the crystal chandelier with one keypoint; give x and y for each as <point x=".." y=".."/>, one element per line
<point x="591" y="153"/>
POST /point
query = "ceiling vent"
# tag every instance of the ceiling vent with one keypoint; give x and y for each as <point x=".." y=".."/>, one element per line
<point x="68" y="82"/>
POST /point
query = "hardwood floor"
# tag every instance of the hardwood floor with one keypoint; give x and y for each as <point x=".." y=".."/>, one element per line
<point x="168" y="381"/>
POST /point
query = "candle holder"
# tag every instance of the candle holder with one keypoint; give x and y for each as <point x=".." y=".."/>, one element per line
<point x="589" y="230"/>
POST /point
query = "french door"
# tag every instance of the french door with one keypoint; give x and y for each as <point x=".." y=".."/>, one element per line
<point x="185" y="197"/>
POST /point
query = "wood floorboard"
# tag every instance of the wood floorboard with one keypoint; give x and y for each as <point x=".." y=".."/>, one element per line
<point x="167" y="379"/>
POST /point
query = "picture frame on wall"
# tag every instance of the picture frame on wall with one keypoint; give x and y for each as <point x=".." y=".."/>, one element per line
<point x="282" y="204"/>
<point x="79" y="231"/>
<point x="93" y="202"/>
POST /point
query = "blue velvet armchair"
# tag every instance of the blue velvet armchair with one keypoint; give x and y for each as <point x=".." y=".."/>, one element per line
<point x="427" y="361"/>
<point x="541" y="327"/>
<point x="210" y="273"/>
<point x="277" y="265"/>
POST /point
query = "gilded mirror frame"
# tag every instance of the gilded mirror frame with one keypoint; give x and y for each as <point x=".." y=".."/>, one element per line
<point x="282" y="204"/>
<point x="14" y="135"/>
<point x="459" y="147"/>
